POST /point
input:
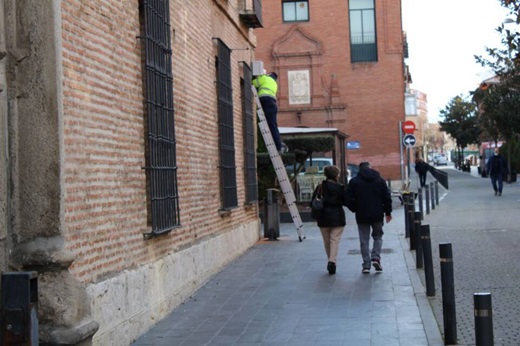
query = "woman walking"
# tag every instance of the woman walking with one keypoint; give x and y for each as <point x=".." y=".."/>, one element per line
<point x="332" y="220"/>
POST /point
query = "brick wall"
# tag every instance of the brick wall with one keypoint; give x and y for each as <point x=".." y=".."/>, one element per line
<point x="105" y="188"/>
<point x="372" y="93"/>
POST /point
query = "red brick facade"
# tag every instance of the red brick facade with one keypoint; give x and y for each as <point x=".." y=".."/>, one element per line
<point x="364" y="100"/>
<point x="79" y="206"/>
<point x="105" y="196"/>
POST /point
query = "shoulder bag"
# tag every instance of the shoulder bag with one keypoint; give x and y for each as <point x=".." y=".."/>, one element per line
<point x="317" y="204"/>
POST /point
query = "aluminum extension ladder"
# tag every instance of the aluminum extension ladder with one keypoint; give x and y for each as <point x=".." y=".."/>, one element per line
<point x="279" y="167"/>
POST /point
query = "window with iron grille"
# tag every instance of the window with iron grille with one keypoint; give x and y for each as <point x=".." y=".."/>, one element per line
<point x="363" y="45"/>
<point x="228" y="178"/>
<point x="161" y="166"/>
<point x="249" y="136"/>
<point x="295" y="11"/>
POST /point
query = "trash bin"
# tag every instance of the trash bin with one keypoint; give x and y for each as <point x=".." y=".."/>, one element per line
<point x="20" y="308"/>
<point x="271" y="215"/>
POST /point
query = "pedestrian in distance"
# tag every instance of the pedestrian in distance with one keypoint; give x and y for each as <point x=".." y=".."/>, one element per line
<point x="496" y="168"/>
<point x="421" y="167"/>
<point x="267" y="87"/>
<point x="368" y="196"/>
<point x="332" y="220"/>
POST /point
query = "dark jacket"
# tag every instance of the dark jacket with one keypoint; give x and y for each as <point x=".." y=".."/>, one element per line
<point x="421" y="167"/>
<point x="368" y="196"/>
<point x="496" y="165"/>
<point x="333" y="201"/>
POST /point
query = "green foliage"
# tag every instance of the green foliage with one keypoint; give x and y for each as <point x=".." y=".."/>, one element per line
<point x="300" y="149"/>
<point x="460" y="121"/>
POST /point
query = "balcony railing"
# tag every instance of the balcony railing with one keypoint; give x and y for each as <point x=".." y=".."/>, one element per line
<point x="252" y="17"/>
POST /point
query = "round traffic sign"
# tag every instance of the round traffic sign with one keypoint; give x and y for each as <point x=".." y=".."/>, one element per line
<point x="408" y="126"/>
<point x="409" y="140"/>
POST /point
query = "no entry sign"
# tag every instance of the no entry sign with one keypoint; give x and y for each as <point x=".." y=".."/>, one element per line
<point x="408" y="126"/>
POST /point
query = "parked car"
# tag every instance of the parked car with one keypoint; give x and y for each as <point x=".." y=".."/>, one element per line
<point x="319" y="162"/>
<point x="440" y="160"/>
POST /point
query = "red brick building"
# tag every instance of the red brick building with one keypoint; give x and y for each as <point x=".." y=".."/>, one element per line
<point x="341" y="65"/>
<point x="128" y="171"/>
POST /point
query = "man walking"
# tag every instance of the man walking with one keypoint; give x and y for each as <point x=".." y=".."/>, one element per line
<point x="421" y="168"/>
<point x="369" y="198"/>
<point x="496" y="167"/>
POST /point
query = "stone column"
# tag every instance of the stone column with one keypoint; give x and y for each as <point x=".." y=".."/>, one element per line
<point x="35" y="238"/>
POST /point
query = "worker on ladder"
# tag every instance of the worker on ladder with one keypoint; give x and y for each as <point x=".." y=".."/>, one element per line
<point x="267" y="88"/>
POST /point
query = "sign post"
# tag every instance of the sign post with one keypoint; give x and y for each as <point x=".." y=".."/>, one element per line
<point x="409" y="141"/>
<point x="408" y="127"/>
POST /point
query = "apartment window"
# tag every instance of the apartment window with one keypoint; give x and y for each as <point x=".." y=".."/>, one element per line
<point x="161" y="166"/>
<point x="228" y="178"/>
<point x="295" y="11"/>
<point x="363" y="45"/>
<point x="249" y="136"/>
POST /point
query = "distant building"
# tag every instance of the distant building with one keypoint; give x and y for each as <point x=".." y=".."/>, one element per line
<point x="341" y="65"/>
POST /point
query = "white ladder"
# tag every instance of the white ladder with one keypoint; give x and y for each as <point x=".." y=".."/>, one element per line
<point x="279" y="168"/>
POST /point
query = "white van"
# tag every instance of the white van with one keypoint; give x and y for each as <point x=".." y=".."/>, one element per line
<point x="440" y="160"/>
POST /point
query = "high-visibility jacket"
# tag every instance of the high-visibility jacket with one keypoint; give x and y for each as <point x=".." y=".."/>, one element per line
<point x="266" y="86"/>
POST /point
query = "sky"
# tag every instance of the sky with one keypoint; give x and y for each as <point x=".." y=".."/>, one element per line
<point x="443" y="37"/>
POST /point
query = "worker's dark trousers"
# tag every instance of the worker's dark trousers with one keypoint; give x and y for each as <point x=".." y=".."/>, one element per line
<point x="270" y="109"/>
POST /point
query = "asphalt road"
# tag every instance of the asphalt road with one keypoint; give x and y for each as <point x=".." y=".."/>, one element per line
<point x="484" y="231"/>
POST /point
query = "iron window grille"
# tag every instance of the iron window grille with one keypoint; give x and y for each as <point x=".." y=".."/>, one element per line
<point x="226" y="129"/>
<point x="161" y="163"/>
<point x="363" y="44"/>
<point x="249" y="136"/>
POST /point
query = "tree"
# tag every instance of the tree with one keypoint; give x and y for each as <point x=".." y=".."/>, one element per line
<point x="300" y="149"/>
<point x="460" y="122"/>
<point x="499" y="102"/>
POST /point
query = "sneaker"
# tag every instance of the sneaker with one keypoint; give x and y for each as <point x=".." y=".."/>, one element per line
<point x="284" y="148"/>
<point x="377" y="266"/>
<point x="366" y="271"/>
<point x="496" y="193"/>
<point x="331" y="267"/>
<point x="500" y="193"/>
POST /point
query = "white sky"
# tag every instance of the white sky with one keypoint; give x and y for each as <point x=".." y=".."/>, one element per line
<point x="443" y="37"/>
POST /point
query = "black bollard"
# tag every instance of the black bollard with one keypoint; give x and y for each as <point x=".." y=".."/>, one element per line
<point x="448" y="294"/>
<point x="421" y="207"/>
<point x="404" y="196"/>
<point x="432" y="195"/>
<point x="413" y="234"/>
<point x="411" y="211"/>
<point x="418" y="241"/>
<point x="427" y="199"/>
<point x="437" y="192"/>
<point x="428" y="261"/>
<point x="483" y="319"/>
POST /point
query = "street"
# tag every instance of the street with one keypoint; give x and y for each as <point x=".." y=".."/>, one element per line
<point x="485" y="235"/>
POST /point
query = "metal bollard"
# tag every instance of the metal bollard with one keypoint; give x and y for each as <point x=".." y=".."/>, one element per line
<point x="272" y="215"/>
<point x="411" y="210"/>
<point x="432" y="195"/>
<point x="404" y="196"/>
<point x="413" y="234"/>
<point x="428" y="261"/>
<point x="427" y="199"/>
<point x="437" y="192"/>
<point x="20" y="308"/>
<point x="483" y="319"/>
<point x="421" y="207"/>
<point x="418" y="241"/>
<point x="448" y="294"/>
